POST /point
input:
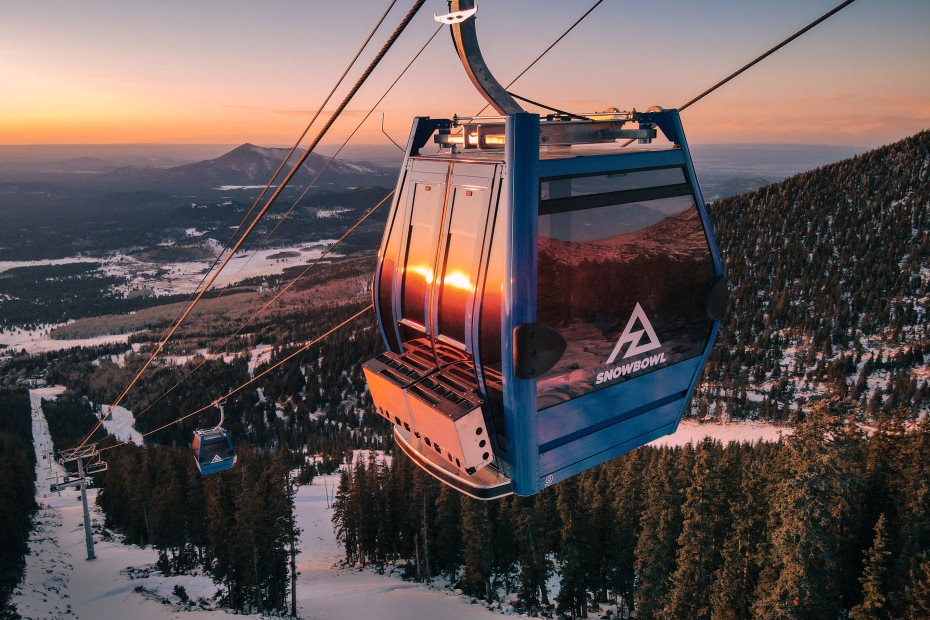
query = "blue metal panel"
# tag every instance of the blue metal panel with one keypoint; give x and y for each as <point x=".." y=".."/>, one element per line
<point x="581" y="413"/>
<point x="521" y="197"/>
<point x="212" y="468"/>
<point x="675" y="119"/>
<point x="632" y="424"/>
<point x="631" y="442"/>
<point x="596" y="164"/>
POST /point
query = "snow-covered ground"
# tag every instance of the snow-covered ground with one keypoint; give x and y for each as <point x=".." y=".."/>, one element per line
<point x="120" y="423"/>
<point x="692" y="431"/>
<point x="61" y="583"/>
<point x="325" y="592"/>
<point x="260" y="355"/>
<point x="185" y="277"/>
<point x="162" y="279"/>
<point x="38" y="340"/>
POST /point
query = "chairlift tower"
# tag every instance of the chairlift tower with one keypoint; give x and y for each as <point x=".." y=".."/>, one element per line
<point x="88" y="463"/>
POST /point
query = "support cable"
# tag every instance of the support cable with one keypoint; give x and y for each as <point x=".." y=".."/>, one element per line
<point x="758" y="59"/>
<point x="546" y="107"/>
<point x="283" y="163"/>
<point x="262" y="309"/>
<point x="361" y="80"/>
<point x="252" y="380"/>
<point x="351" y="135"/>
<point x="797" y="34"/>
<point x="328" y="250"/>
<point x="544" y="52"/>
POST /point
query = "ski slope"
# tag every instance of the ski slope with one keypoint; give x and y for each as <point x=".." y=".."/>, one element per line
<point x="61" y="583"/>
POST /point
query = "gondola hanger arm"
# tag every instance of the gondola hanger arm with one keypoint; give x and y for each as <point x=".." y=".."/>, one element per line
<point x="462" y="21"/>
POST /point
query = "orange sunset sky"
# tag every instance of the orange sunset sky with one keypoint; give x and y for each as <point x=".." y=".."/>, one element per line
<point x="211" y="72"/>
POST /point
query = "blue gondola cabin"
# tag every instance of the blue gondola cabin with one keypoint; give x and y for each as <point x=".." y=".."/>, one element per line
<point x="545" y="307"/>
<point x="213" y="450"/>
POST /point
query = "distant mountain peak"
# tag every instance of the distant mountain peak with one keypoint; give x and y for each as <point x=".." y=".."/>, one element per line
<point x="252" y="165"/>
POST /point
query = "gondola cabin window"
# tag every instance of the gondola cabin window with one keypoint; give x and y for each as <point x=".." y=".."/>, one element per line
<point x="460" y="260"/>
<point x="623" y="273"/>
<point x="421" y="239"/>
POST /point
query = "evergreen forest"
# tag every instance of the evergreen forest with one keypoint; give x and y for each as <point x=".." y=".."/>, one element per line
<point x="828" y="523"/>
<point x="17" y="477"/>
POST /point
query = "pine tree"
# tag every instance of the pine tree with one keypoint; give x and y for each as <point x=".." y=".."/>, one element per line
<point x="874" y="580"/>
<point x="476" y="530"/>
<point x="700" y="540"/>
<point x="344" y="518"/>
<point x="917" y="594"/>
<point x="577" y="546"/>
<point x="912" y="492"/>
<point x="626" y="490"/>
<point x="742" y="554"/>
<point x="448" y="538"/>
<point x="801" y="582"/>
<point x="661" y="524"/>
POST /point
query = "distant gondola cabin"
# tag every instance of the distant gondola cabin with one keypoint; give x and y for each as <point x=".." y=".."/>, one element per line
<point x="213" y="450"/>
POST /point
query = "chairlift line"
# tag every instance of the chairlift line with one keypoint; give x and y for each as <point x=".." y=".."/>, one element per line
<point x="294" y="148"/>
<point x="758" y="59"/>
<point x="267" y="305"/>
<point x="351" y="135"/>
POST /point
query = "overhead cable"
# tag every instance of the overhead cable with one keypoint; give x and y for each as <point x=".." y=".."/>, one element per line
<point x="361" y="80"/>
<point x="820" y="19"/>
<point x="328" y="250"/>
<point x="286" y="158"/>
<point x="263" y="308"/>
<point x="253" y="379"/>
<point x="544" y="52"/>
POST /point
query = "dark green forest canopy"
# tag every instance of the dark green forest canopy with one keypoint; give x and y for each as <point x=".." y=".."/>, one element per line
<point x="828" y="523"/>
<point x="829" y="281"/>
<point x="829" y="287"/>
<point x="17" y="476"/>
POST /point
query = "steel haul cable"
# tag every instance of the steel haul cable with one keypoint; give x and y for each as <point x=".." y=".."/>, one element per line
<point x="413" y="10"/>
<point x="339" y="150"/>
<point x="328" y="250"/>
<point x="284" y="162"/>
<point x="354" y="131"/>
<point x="546" y="51"/>
<point x="797" y="34"/>
<point x="361" y="80"/>
<point x="263" y="308"/>
<point x="253" y="379"/>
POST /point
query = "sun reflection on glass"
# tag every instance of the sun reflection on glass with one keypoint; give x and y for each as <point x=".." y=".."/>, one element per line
<point x="458" y="279"/>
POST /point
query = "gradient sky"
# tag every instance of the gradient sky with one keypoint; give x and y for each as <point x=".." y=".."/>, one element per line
<point x="205" y="71"/>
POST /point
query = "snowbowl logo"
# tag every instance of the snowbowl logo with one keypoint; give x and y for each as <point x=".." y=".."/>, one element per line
<point x="637" y="327"/>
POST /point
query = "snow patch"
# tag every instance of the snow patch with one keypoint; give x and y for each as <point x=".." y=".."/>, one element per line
<point x="121" y="424"/>
<point x="693" y="432"/>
